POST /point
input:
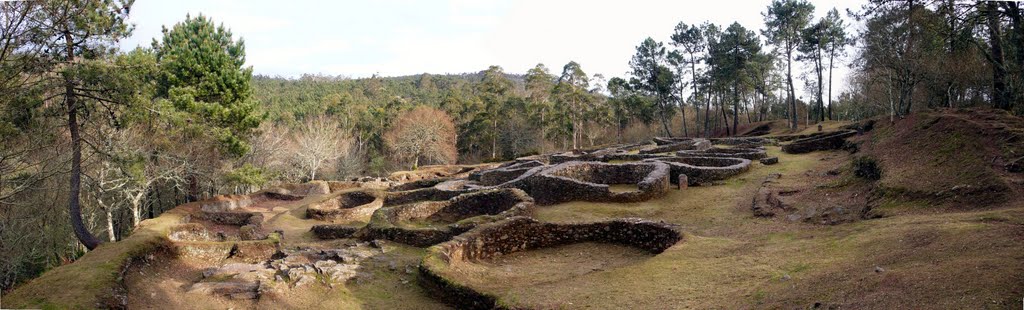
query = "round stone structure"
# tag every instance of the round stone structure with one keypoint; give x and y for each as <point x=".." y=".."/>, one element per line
<point x="592" y="181"/>
<point x="431" y="222"/>
<point x="522" y="234"/>
<point x="700" y="170"/>
<point x="352" y="205"/>
<point x="746" y="153"/>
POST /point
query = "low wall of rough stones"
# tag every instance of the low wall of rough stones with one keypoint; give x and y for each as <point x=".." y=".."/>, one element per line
<point x="589" y="181"/>
<point x="735" y="141"/>
<point x="746" y="153"/>
<point x="193" y="240"/>
<point x="448" y="218"/>
<point x="347" y="206"/>
<point x="419" y="184"/>
<point x="504" y="174"/>
<point x="418" y="195"/>
<point x="522" y="234"/>
<point x="700" y="170"/>
<point x="690" y="144"/>
<point x="829" y="141"/>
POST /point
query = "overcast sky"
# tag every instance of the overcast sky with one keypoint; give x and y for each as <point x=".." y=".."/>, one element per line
<point x="361" y="38"/>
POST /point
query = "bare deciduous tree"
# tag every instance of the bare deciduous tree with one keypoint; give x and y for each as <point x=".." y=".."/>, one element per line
<point x="318" y="145"/>
<point x="423" y="133"/>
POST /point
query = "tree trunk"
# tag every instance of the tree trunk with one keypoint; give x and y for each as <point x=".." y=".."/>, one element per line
<point x="735" y="109"/>
<point x="696" y="105"/>
<point x="831" y="56"/>
<point x="792" y="93"/>
<point x="682" y="106"/>
<point x="75" y="186"/>
<point x="110" y="225"/>
<point x="1000" y="94"/>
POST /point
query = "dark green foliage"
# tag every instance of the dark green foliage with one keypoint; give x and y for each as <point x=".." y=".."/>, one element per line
<point x="202" y="73"/>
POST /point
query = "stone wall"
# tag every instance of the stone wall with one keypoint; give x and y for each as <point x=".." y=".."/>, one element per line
<point x="419" y="184"/>
<point x="698" y="144"/>
<point x="504" y="174"/>
<point x="347" y="206"/>
<point x="700" y="170"/>
<point x="746" y="153"/>
<point x="521" y="234"/>
<point x="588" y="181"/>
<point x="423" y="194"/>
<point x="445" y="219"/>
<point x="736" y="141"/>
<point x="829" y="141"/>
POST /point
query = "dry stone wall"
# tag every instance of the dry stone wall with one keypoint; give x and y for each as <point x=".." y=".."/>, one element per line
<point x="522" y="234"/>
<point x="432" y="222"/>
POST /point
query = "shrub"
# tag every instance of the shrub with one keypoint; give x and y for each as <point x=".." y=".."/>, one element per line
<point x="867" y="168"/>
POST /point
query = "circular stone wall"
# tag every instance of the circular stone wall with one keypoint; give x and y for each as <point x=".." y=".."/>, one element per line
<point x="704" y="169"/>
<point x="522" y="234"/>
<point x="746" y="153"/>
<point x="590" y="181"/>
<point x="428" y="223"/>
<point x="347" y="206"/>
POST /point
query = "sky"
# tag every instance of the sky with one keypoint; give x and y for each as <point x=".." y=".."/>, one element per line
<point x="393" y="37"/>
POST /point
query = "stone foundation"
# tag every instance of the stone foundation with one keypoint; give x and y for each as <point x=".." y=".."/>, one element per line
<point x="700" y="170"/>
<point x="428" y="223"/>
<point x="589" y="181"/>
<point x="414" y="185"/>
<point x="504" y="174"/>
<point x="522" y="234"/>
<point x="424" y="194"/>
<point x="333" y="231"/>
<point x="829" y="141"/>
<point x="697" y="144"/>
<point x="348" y="206"/>
<point x="745" y="153"/>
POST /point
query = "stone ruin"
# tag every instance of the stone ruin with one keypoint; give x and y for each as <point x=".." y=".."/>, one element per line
<point x="591" y="181"/>
<point x="822" y="142"/>
<point x="475" y="216"/>
<point x="745" y="153"/>
<point x="353" y="205"/>
<point x="432" y="222"/>
<point x="505" y="173"/>
<point x="704" y="170"/>
<point x="695" y="144"/>
<point x="523" y="234"/>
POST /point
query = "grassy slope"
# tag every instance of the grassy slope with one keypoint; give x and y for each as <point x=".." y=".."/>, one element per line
<point x="949" y="157"/>
<point x="732" y="260"/>
<point x="92" y="278"/>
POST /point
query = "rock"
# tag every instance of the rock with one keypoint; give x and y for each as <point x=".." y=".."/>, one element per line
<point x="227" y="288"/>
<point x="343" y="272"/>
<point x="879" y="269"/>
<point x="769" y="160"/>
<point x="241" y="271"/>
<point x="683" y="181"/>
<point x="786" y="277"/>
<point x="323" y="265"/>
<point x="305" y="279"/>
